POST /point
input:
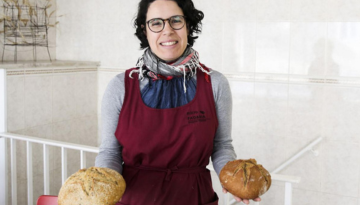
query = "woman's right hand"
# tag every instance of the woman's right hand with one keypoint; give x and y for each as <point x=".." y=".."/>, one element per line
<point x="245" y="201"/>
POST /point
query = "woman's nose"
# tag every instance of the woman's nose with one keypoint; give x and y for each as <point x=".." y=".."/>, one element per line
<point x="168" y="28"/>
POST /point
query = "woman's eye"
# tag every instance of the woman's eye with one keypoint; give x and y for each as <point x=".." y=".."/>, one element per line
<point x="156" y="23"/>
<point x="175" y="21"/>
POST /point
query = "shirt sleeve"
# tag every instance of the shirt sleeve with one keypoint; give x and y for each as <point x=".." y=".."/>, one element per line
<point x="223" y="150"/>
<point x="110" y="150"/>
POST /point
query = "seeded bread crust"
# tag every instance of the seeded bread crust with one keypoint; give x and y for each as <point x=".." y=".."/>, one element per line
<point x="245" y="178"/>
<point x="95" y="186"/>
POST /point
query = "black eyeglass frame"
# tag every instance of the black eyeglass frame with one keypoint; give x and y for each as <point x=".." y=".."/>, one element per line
<point x="163" y="20"/>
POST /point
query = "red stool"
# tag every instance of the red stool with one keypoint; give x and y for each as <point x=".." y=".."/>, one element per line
<point x="50" y="200"/>
<point x="47" y="200"/>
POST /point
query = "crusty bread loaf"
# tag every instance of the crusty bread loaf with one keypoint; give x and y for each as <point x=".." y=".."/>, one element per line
<point x="245" y="178"/>
<point x="95" y="186"/>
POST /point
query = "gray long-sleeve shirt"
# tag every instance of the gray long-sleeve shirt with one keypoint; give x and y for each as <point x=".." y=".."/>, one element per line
<point x="110" y="150"/>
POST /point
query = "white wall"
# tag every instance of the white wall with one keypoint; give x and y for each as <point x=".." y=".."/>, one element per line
<point x="98" y="31"/>
<point x="293" y="69"/>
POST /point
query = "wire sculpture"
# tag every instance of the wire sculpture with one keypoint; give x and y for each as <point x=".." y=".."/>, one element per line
<point x="25" y="25"/>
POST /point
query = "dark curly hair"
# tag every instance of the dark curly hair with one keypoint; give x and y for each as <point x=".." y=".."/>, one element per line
<point x="193" y="20"/>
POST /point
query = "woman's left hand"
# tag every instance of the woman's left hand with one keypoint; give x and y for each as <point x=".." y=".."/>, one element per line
<point x="245" y="201"/>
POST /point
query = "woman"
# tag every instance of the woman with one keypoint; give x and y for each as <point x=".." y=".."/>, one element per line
<point x="162" y="120"/>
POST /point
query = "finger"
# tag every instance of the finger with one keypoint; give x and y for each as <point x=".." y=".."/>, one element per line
<point x="257" y="199"/>
<point x="245" y="201"/>
<point x="224" y="191"/>
<point x="237" y="199"/>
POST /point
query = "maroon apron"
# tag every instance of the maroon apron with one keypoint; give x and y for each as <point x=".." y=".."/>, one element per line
<point x="166" y="151"/>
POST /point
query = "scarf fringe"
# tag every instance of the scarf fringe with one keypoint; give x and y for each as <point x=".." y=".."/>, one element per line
<point x="193" y="65"/>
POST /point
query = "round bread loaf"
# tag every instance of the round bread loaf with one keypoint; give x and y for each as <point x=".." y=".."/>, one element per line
<point x="245" y="178"/>
<point x="95" y="186"/>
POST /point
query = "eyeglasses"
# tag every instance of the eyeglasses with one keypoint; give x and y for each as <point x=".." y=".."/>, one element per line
<point x="158" y="24"/>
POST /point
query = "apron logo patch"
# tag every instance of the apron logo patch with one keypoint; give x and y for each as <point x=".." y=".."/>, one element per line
<point x="196" y="116"/>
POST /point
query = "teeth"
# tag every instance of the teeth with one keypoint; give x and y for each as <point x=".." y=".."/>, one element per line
<point x="168" y="43"/>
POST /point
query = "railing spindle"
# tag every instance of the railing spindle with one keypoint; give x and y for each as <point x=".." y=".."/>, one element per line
<point x="29" y="173"/>
<point x="226" y="199"/>
<point x="288" y="193"/>
<point x="82" y="159"/>
<point x="3" y="171"/>
<point x="46" y="169"/>
<point x="13" y="172"/>
<point x="63" y="164"/>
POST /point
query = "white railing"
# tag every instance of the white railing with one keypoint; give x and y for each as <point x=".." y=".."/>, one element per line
<point x="46" y="143"/>
<point x="288" y="180"/>
<point x="308" y="148"/>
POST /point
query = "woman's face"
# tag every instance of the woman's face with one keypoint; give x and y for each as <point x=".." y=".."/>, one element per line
<point x="168" y="44"/>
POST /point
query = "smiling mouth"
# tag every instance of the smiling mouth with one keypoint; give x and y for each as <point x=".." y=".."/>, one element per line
<point x="170" y="43"/>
